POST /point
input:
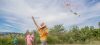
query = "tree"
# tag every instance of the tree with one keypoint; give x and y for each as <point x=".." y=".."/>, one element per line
<point x="99" y="24"/>
<point x="57" y="28"/>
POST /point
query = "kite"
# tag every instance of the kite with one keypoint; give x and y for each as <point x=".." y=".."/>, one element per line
<point x="69" y="6"/>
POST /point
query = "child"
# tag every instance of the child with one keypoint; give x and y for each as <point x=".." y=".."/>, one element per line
<point x="33" y="38"/>
<point x="28" y="38"/>
<point x="43" y="32"/>
<point x="15" y="41"/>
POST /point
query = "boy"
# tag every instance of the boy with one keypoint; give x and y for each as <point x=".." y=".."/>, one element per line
<point x="43" y="32"/>
<point x="15" y="40"/>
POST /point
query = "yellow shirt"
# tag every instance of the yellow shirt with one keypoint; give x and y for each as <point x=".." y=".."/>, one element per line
<point x="43" y="33"/>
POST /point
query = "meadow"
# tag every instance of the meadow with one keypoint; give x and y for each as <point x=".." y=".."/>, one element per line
<point x="59" y="35"/>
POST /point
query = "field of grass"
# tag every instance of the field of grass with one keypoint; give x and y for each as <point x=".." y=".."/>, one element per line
<point x="73" y="44"/>
<point x="91" y="43"/>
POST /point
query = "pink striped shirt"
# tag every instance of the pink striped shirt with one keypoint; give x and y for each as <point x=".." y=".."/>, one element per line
<point x="29" y="39"/>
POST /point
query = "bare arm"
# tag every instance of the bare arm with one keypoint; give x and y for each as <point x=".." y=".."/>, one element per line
<point x="35" y="22"/>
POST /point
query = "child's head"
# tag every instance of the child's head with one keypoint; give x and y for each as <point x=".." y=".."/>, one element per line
<point x="43" y="25"/>
<point x="27" y="32"/>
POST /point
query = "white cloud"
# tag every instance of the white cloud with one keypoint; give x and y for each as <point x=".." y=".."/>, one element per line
<point x="51" y="13"/>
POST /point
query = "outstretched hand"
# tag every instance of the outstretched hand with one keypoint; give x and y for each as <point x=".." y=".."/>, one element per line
<point x="32" y="17"/>
<point x="35" y="22"/>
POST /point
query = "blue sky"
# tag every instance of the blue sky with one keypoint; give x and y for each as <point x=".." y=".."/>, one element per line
<point x="15" y="15"/>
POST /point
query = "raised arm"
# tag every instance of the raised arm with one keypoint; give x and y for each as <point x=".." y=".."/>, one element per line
<point x="35" y="22"/>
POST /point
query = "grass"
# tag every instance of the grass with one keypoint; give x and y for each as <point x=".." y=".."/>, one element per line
<point x="73" y="44"/>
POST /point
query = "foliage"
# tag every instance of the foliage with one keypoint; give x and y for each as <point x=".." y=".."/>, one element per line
<point x="58" y="34"/>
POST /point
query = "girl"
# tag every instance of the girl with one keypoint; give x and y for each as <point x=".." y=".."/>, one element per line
<point x="28" y="38"/>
